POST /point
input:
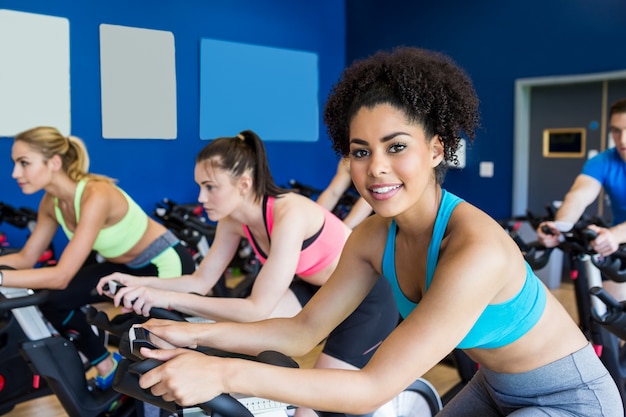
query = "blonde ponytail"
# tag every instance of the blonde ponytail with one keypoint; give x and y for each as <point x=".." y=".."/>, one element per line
<point x="72" y="150"/>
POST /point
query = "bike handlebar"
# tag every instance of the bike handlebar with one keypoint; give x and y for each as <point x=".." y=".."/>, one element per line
<point x="126" y="381"/>
<point x="577" y="240"/>
<point x="185" y="221"/>
<point x="121" y="323"/>
<point x="613" y="266"/>
<point x="36" y="298"/>
<point x="537" y="255"/>
<point x="615" y="318"/>
<point x="18" y="217"/>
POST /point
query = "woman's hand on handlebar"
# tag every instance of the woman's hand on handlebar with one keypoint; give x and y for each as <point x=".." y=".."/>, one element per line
<point x="187" y="377"/>
<point x="548" y="234"/>
<point x="124" y="279"/>
<point x="141" y="299"/>
<point x="606" y="242"/>
<point x="177" y="333"/>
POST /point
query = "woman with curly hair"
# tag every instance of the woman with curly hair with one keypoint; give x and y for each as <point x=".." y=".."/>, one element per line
<point x="95" y="214"/>
<point x="459" y="280"/>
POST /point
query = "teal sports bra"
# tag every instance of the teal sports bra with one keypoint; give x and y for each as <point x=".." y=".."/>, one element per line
<point x="499" y="324"/>
<point x="116" y="240"/>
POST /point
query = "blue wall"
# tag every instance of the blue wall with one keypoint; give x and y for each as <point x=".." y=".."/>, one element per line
<point x="153" y="169"/>
<point x="496" y="42"/>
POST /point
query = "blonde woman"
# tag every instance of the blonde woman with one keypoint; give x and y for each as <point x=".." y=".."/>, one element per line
<point x="95" y="215"/>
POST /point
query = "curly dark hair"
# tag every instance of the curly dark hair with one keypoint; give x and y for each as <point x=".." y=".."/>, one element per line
<point x="427" y="86"/>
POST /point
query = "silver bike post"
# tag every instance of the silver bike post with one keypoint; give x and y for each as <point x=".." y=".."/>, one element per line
<point x="594" y="279"/>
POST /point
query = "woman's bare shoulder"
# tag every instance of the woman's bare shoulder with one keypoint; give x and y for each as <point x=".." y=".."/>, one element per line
<point x="372" y="231"/>
<point x="294" y="204"/>
<point x="470" y="228"/>
<point x="96" y="190"/>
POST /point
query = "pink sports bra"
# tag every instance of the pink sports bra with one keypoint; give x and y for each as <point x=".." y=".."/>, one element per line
<point x="317" y="252"/>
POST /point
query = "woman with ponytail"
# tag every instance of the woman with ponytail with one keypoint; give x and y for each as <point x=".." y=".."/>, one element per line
<point x="95" y="215"/>
<point x="297" y="241"/>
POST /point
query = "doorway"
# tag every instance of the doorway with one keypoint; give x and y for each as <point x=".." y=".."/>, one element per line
<point x="569" y="102"/>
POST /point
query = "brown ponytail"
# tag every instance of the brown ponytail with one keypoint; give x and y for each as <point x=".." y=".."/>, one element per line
<point x="239" y="154"/>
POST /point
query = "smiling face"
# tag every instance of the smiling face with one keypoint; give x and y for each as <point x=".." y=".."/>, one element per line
<point x="30" y="169"/>
<point x="219" y="191"/>
<point x="391" y="161"/>
<point x="617" y="129"/>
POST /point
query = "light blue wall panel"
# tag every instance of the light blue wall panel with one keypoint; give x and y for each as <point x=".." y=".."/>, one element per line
<point x="273" y="91"/>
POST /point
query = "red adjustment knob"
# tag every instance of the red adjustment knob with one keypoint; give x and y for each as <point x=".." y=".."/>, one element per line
<point x="47" y="255"/>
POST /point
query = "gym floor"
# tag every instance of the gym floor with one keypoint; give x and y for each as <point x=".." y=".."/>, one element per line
<point x="443" y="377"/>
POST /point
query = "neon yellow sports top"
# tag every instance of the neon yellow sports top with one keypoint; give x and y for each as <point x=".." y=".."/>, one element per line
<point x="115" y="240"/>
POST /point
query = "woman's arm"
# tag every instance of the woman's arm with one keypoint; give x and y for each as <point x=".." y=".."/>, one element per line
<point x="291" y="226"/>
<point x="359" y="212"/>
<point x="94" y="211"/>
<point x="337" y="186"/>
<point x="38" y="241"/>
<point x="186" y="294"/>
<point x="227" y="238"/>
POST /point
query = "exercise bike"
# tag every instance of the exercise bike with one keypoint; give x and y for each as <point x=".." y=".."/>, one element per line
<point x="19" y="321"/>
<point x="419" y="399"/>
<point x="420" y="396"/>
<point x="599" y="315"/>
<point x="37" y="362"/>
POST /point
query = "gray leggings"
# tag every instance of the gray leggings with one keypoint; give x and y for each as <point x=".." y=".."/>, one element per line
<point x="577" y="385"/>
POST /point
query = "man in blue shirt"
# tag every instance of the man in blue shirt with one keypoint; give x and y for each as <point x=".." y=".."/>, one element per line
<point x="606" y="170"/>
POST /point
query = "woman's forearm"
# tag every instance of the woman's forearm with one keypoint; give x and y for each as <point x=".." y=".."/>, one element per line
<point x="36" y="278"/>
<point x="285" y="335"/>
<point x="218" y="308"/>
<point x="16" y="260"/>
<point x="343" y="391"/>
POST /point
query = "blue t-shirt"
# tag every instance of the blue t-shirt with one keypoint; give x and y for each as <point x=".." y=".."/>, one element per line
<point x="609" y="169"/>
